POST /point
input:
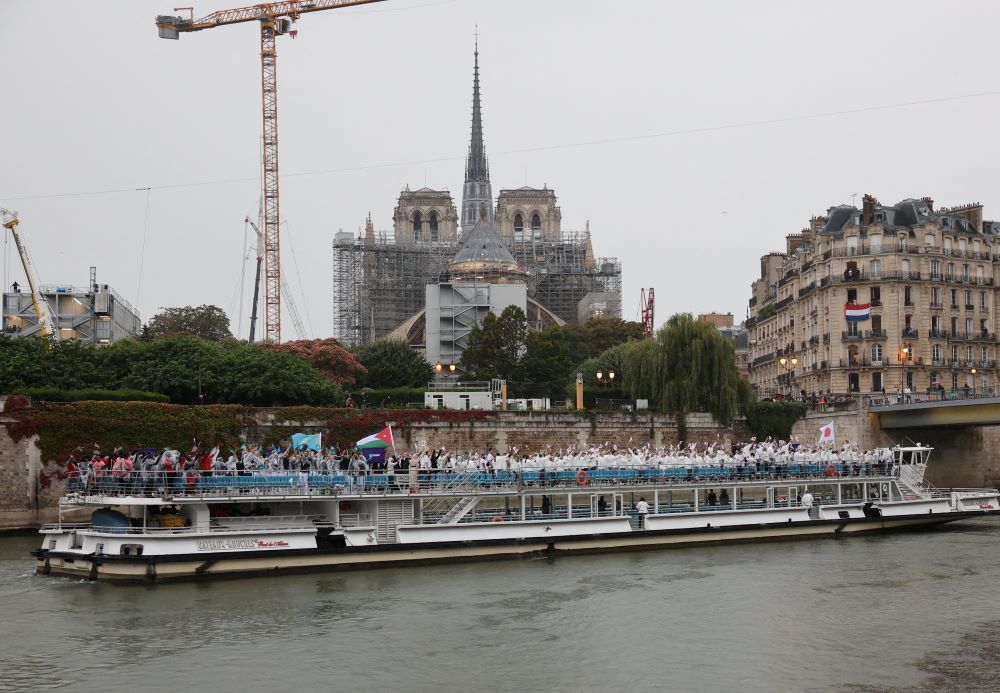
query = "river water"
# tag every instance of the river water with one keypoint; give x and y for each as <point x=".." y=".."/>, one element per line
<point x="907" y="612"/>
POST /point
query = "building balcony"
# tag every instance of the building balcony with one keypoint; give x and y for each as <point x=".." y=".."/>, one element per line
<point x="936" y="306"/>
<point x="970" y="306"/>
<point x="856" y="363"/>
<point x="850" y="336"/>
<point x="875" y="334"/>
<point x="983" y="336"/>
<point x="826" y="338"/>
<point x="938" y="334"/>
<point x="909" y="333"/>
<point x="814" y="341"/>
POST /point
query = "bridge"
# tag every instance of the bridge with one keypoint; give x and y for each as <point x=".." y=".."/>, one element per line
<point x="965" y="410"/>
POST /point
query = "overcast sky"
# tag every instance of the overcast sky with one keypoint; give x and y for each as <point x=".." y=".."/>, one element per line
<point x="679" y="130"/>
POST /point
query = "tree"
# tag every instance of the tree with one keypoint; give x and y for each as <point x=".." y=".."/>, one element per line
<point x="495" y="349"/>
<point x="327" y="356"/>
<point x="604" y="333"/>
<point x="546" y="365"/>
<point x="391" y="363"/>
<point x="688" y="367"/>
<point x="207" y="322"/>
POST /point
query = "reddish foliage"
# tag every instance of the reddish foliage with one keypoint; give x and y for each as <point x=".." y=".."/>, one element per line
<point x="333" y="361"/>
<point x="15" y="402"/>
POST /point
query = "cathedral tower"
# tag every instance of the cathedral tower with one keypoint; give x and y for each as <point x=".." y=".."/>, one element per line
<point x="477" y="195"/>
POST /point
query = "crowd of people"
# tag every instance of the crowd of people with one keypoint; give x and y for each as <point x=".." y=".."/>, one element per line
<point x="765" y="459"/>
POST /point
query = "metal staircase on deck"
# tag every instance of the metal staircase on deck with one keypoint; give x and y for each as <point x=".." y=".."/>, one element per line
<point x="459" y="510"/>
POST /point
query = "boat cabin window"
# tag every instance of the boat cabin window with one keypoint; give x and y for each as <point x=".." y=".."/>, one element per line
<point x="131" y="550"/>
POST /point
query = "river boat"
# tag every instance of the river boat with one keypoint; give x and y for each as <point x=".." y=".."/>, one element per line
<point x="146" y="528"/>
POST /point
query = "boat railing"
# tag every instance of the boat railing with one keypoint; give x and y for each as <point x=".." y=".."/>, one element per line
<point x="217" y="525"/>
<point x="90" y="488"/>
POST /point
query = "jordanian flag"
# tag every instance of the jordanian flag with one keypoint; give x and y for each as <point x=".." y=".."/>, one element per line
<point x="382" y="439"/>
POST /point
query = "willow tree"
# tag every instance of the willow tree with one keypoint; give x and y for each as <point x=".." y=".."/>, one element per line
<point x="689" y="366"/>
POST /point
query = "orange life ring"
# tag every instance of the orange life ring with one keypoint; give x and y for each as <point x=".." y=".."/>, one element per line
<point x="830" y="470"/>
<point x="582" y="478"/>
<point x="497" y="518"/>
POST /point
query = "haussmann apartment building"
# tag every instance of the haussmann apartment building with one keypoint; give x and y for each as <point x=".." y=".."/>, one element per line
<point x="922" y="281"/>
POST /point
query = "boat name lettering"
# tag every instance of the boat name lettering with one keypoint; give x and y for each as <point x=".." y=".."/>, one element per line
<point x="986" y="506"/>
<point x="272" y="542"/>
<point x="227" y="544"/>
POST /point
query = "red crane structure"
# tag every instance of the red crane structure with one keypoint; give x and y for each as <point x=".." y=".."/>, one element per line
<point x="275" y="19"/>
<point x="646" y="307"/>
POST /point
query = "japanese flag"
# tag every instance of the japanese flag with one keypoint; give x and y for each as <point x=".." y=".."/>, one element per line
<point x="826" y="433"/>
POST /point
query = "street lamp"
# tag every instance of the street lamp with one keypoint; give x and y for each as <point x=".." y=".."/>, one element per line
<point x="605" y="378"/>
<point x="789" y="370"/>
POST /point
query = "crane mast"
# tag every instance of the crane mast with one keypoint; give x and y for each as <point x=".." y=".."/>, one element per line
<point x="275" y="19"/>
<point x="646" y="307"/>
<point x="46" y="325"/>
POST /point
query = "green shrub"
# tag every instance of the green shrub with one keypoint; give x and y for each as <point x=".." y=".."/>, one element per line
<point x="774" y="419"/>
<point x="54" y="394"/>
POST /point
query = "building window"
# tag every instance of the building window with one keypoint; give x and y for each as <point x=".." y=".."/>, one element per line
<point x="907" y="296"/>
<point x="434" y="225"/>
<point x="961" y="245"/>
<point x="418" y="221"/>
<point x="518" y="223"/>
<point x="877" y="381"/>
<point x="875" y="243"/>
<point x="965" y="272"/>
<point x="937" y="353"/>
<point x="852" y="245"/>
<point x="936" y="323"/>
<point x="935" y="269"/>
<point x="968" y="326"/>
<point x="852" y="295"/>
<point x="954" y="353"/>
<point x="954" y="298"/>
<point x="968" y="355"/>
<point x="875" y="269"/>
<point x="852" y="328"/>
<point x="947" y="244"/>
<point x="968" y="299"/>
<point x="906" y="269"/>
<point x="954" y="380"/>
<point x="982" y="300"/>
<point x="954" y="325"/>
<point x="876" y="354"/>
<point x="929" y="239"/>
<point x="984" y="354"/>
<point x="536" y="226"/>
<point x="876" y="295"/>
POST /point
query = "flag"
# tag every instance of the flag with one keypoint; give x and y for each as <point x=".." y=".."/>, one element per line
<point x="856" y="312"/>
<point x="378" y="440"/>
<point x="312" y="441"/>
<point x="826" y="433"/>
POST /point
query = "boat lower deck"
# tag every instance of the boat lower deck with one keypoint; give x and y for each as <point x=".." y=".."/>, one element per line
<point x="152" y="568"/>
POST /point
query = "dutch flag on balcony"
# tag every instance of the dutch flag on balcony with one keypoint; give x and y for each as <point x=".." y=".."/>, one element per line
<point x="856" y="312"/>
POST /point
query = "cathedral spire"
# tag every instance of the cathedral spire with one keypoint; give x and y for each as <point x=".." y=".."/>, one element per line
<point x="477" y="193"/>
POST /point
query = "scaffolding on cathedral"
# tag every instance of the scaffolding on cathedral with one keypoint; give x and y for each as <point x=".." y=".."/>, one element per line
<point x="378" y="283"/>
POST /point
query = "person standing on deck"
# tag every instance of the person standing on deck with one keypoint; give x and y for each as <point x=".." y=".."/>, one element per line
<point x="642" y="509"/>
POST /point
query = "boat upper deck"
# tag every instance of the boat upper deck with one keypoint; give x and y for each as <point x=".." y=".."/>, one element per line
<point x="151" y="487"/>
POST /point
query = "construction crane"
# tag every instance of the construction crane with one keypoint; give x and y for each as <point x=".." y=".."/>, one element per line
<point x="256" y="282"/>
<point x="46" y="325"/>
<point x="646" y="308"/>
<point x="300" y="329"/>
<point x="276" y="19"/>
